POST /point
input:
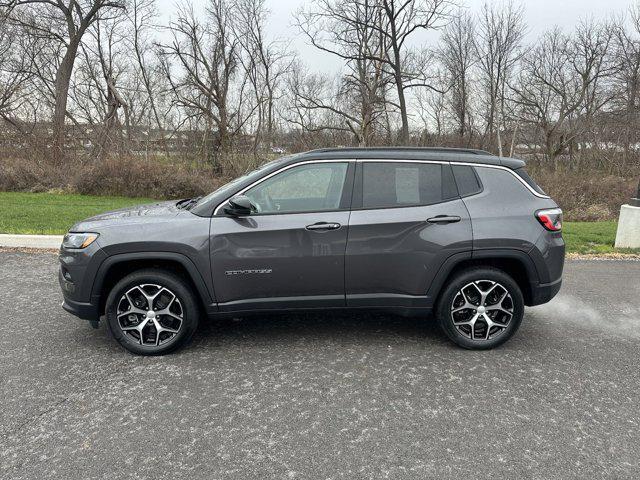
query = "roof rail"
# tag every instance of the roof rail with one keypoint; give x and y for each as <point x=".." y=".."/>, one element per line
<point x="473" y="151"/>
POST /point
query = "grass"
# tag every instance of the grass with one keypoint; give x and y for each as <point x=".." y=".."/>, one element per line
<point x="51" y="213"/>
<point x="592" y="237"/>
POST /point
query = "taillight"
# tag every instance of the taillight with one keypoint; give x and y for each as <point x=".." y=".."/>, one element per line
<point x="550" y="219"/>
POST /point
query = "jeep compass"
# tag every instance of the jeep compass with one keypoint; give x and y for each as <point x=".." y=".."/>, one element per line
<point x="459" y="233"/>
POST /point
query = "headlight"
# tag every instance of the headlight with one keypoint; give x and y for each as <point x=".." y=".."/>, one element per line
<point x="78" y="240"/>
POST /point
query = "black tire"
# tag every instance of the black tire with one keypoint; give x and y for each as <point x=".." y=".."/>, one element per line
<point x="445" y="305"/>
<point x="187" y="303"/>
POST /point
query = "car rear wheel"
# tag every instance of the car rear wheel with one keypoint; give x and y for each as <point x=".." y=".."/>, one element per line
<point x="152" y="312"/>
<point x="480" y="308"/>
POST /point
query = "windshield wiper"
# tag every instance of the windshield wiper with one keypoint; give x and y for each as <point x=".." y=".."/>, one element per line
<point x="187" y="203"/>
<point x="180" y="203"/>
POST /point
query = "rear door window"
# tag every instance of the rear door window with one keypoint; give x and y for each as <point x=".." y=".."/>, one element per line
<point x="402" y="184"/>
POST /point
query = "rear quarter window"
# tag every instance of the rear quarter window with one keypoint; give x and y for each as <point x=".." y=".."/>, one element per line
<point x="467" y="180"/>
<point x="522" y="173"/>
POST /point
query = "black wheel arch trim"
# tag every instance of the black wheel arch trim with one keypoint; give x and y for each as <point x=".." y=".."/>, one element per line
<point x="443" y="272"/>
<point x="533" y="274"/>
<point x="183" y="260"/>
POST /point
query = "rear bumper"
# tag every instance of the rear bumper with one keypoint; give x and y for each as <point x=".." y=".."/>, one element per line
<point x="548" y="257"/>
<point x="544" y="292"/>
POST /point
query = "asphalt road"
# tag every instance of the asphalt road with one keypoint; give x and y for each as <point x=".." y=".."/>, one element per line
<point x="323" y="396"/>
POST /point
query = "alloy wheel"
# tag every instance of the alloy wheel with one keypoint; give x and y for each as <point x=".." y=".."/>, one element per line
<point x="482" y="310"/>
<point x="150" y="315"/>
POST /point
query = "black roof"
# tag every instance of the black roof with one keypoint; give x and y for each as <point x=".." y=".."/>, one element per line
<point x="460" y="155"/>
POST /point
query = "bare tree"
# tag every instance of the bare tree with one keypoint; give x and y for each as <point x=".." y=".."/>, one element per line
<point x="76" y="16"/>
<point x="322" y="102"/>
<point x="14" y="70"/>
<point x="432" y="109"/>
<point x="349" y="30"/>
<point x="108" y="35"/>
<point x="626" y="104"/>
<point x="141" y="15"/>
<point x="558" y="90"/>
<point x="499" y="35"/>
<point x="206" y="52"/>
<point x="265" y="64"/>
<point x="457" y="56"/>
<point x="107" y="95"/>
<point x="401" y="19"/>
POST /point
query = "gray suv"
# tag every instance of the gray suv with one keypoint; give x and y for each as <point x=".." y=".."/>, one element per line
<point x="460" y="233"/>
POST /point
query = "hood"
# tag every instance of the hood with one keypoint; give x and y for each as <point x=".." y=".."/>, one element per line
<point x="153" y="212"/>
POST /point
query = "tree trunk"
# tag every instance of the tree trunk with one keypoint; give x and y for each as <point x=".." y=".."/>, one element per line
<point x="461" y="123"/>
<point x="403" y="137"/>
<point x="499" y="138"/>
<point x="365" y="130"/>
<point x="512" y="148"/>
<point x="491" y="119"/>
<point x="462" y="109"/>
<point x="223" y="137"/>
<point x="629" y="127"/>
<point x="551" y="152"/>
<point x="63" y="80"/>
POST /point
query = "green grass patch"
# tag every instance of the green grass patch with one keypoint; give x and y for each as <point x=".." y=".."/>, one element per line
<point x="51" y="213"/>
<point x="592" y="237"/>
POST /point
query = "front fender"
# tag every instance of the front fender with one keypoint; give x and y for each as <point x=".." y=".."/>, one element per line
<point x="204" y="290"/>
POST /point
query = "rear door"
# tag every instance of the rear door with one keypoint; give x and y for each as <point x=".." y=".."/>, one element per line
<point x="406" y="220"/>
<point x="290" y="252"/>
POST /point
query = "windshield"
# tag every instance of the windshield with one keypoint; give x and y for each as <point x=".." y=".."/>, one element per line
<point x="229" y="187"/>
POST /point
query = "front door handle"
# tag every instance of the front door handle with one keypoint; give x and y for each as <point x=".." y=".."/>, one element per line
<point x="323" y="226"/>
<point x="444" y="219"/>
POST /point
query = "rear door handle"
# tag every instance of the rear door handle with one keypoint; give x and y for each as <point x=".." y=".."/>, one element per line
<point x="444" y="219"/>
<point x="323" y="226"/>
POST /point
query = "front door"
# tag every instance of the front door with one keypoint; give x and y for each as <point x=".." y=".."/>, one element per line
<point x="290" y="252"/>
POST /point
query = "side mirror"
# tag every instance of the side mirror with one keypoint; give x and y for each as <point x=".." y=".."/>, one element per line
<point x="239" y="206"/>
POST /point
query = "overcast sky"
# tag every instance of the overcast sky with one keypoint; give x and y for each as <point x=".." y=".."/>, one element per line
<point x="540" y="15"/>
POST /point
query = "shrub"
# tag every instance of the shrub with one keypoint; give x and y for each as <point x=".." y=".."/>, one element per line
<point x="133" y="177"/>
<point x="589" y="196"/>
<point x="122" y="176"/>
<point x="26" y="175"/>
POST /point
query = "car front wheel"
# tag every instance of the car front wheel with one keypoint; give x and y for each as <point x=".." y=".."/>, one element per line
<point x="480" y="308"/>
<point x="152" y="312"/>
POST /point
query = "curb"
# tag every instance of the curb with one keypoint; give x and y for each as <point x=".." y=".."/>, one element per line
<point x="30" y="241"/>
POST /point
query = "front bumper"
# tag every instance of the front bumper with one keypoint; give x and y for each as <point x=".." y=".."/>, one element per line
<point x="85" y="311"/>
<point x="76" y="276"/>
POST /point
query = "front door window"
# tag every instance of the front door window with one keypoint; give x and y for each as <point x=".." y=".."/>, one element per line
<point x="315" y="187"/>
